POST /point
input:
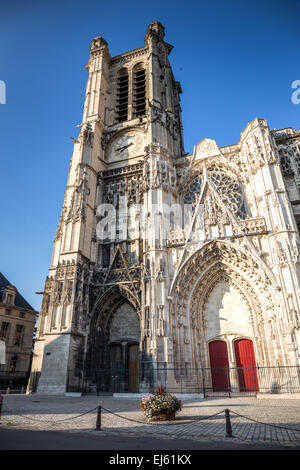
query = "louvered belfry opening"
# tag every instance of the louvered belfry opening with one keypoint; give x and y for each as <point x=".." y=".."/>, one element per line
<point x="139" y="91"/>
<point x="122" y="96"/>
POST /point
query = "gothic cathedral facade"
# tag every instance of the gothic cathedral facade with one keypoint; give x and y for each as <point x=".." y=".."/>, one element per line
<point x="166" y="263"/>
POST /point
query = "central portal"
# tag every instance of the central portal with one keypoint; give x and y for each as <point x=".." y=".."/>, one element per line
<point x="123" y="345"/>
<point x="113" y="356"/>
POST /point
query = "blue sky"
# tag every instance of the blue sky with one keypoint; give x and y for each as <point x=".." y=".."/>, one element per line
<point x="236" y="60"/>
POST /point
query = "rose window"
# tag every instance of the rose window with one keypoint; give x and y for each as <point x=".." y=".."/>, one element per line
<point x="228" y="189"/>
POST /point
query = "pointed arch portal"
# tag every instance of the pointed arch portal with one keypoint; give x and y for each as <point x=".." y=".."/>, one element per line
<point x="220" y="291"/>
<point x="113" y="346"/>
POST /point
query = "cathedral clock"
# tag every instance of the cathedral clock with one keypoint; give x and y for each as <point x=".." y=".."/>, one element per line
<point x="126" y="146"/>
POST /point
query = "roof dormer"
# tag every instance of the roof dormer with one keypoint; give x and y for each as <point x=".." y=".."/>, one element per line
<point x="10" y="295"/>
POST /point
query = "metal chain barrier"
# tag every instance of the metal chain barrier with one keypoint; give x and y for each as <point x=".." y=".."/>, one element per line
<point x="156" y="424"/>
<point x="228" y="426"/>
<point x="75" y="417"/>
<point x="45" y="421"/>
<point x="266" y="424"/>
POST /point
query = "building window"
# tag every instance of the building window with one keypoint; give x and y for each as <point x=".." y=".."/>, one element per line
<point x="19" y="335"/>
<point x="9" y="299"/>
<point x="4" y="330"/>
<point x="13" y="364"/>
<point x="105" y="256"/>
<point x="7" y="311"/>
<point x="139" y="91"/>
<point x="22" y="315"/>
<point x="122" y="96"/>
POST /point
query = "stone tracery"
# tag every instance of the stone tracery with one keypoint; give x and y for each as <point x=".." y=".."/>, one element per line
<point x="228" y="187"/>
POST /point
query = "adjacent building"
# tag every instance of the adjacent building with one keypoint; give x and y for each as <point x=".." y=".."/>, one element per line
<point x="17" y="322"/>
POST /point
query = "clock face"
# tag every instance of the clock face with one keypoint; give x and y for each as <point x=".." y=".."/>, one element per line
<point x="125" y="146"/>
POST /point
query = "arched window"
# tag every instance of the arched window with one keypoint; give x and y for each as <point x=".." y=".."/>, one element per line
<point x="122" y="95"/>
<point x="139" y="91"/>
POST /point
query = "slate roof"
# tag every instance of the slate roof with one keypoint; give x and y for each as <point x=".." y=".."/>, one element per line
<point x="19" y="300"/>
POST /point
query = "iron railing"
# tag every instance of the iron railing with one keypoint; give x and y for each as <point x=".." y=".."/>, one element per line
<point x="13" y="382"/>
<point x="206" y="381"/>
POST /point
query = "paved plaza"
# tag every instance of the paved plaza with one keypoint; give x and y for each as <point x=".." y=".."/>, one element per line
<point x="252" y="420"/>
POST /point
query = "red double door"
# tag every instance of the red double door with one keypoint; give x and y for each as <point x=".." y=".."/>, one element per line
<point x="245" y="363"/>
<point x="219" y="366"/>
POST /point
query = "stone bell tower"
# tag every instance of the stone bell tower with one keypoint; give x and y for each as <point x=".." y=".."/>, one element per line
<point x="105" y="299"/>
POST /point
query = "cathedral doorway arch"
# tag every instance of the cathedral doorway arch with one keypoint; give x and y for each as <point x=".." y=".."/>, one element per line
<point x="113" y="347"/>
<point x="220" y="293"/>
<point x="219" y="365"/>
<point x="246" y="365"/>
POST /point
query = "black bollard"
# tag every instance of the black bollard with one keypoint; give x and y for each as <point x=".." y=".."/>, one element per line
<point x="1" y="402"/>
<point x="98" y="423"/>
<point x="228" y="424"/>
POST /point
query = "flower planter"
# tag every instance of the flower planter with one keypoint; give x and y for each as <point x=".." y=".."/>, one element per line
<point x="160" y="406"/>
<point x="164" y="416"/>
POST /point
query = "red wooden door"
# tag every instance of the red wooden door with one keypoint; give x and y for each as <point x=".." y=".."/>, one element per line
<point x="219" y="365"/>
<point x="245" y="362"/>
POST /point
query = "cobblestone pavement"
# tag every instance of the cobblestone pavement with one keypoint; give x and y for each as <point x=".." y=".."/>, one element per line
<point x="252" y="420"/>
